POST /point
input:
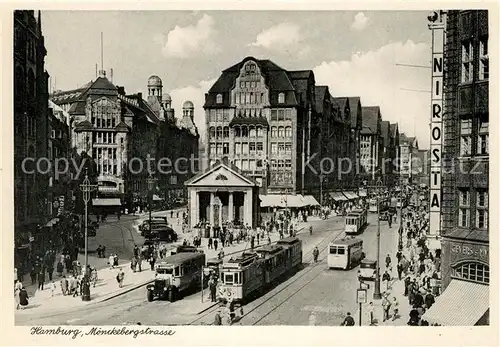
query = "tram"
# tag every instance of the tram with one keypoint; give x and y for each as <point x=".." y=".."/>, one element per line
<point x="345" y="253"/>
<point x="252" y="272"/>
<point x="384" y="204"/>
<point x="355" y="221"/>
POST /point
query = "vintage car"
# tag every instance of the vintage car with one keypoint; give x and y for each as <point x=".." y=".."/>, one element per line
<point x="367" y="270"/>
<point x="176" y="274"/>
<point x="161" y="232"/>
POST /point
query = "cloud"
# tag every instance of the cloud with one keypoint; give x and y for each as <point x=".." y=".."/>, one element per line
<point x="360" y="21"/>
<point x="378" y="81"/>
<point x="284" y="36"/>
<point x="195" y="94"/>
<point x="183" y="42"/>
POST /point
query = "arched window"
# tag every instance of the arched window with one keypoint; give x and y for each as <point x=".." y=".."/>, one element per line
<point x="259" y="132"/>
<point x="281" y="132"/>
<point x="274" y="132"/>
<point x="281" y="98"/>
<point x="472" y="271"/>
<point x="252" y="132"/>
<point x="219" y="99"/>
<point x="219" y="132"/>
<point x="225" y="132"/>
<point x="288" y="131"/>
<point x="244" y="131"/>
<point x="237" y="131"/>
<point x="212" y="132"/>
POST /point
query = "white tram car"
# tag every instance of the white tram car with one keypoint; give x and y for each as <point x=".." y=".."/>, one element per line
<point x="252" y="272"/>
<point x="355" y="221"/>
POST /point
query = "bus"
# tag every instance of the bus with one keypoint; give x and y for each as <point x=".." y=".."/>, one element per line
<point x="345" y="253"/>
<point x="355" y="221"/>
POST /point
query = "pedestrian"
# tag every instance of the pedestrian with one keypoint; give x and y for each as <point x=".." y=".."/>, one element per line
<point x="429" y="299"/>
<point x="348" y="320"/>
<point x="315" y="254"/>
<point x="60" y="268"/>
<point x="17" y="289"/>
<point x="50" y="270"/>
<point x="387" y="279"/>
<point x="395" y="308"/>
<point x="400" y="270"/>
<point x="371" y="309"/>
<point x="213" y="287"/>
<point x="386" y="305"/>
<point x="120" y="278"/>
<point x="33" y="275"/>
<point x="252" y="242"/>
<point x="221" y="253"/>
<point x="216" y="243"/>
<point x="210" y="241"/>
<point x="217" y="318"/>
<point x="139" y="262"/>
<point x="152" y="262"/>
<point x="23" y="297"/>
<point x="115" y="260"/>
<point x="136" y="251"/>
<point x="387" y="260"/>
<point x="133" y="264"/>
<point x="41" y="279"/>
<point x="53" y="287"/>
<point x="111" y="261"/>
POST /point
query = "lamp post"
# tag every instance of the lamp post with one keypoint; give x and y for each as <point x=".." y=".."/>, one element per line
<point x="151" y="181"/>
<point x="321" y="190"/>
<point x="86" y="189"/>
<point x="376" y="293"/>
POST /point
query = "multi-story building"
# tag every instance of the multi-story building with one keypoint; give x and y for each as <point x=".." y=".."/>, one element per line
<point x="342" y="141"/>
<point x="464" y="180"/>
<point x="261" y="118"/>
<point x="121" y="131"/>
<point x="394" y="129"/>
<point x="30" y="127"/>
<point x="354" y="139"/>
<point x="388" y="154"/>
<point x="371" y="143"/>
<point x="406" y="150"/>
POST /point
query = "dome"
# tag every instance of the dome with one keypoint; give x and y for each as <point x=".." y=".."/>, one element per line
<point x="187" y="104"/>
<point x="154" y="81"/>
<point x="166" y="97"/>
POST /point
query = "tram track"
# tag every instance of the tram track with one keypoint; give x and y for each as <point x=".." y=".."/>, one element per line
<point x="307" y="258"/>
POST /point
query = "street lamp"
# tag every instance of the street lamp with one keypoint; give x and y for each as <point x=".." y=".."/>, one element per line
<point x="151" y="182"/>
<point x="376" y="293"/>
<point x="86" y="188"/>
<point x="321" y="189"/>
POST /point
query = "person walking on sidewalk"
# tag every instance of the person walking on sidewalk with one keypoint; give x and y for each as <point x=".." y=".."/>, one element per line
<point x="152" y="261"/>
<point x="216" y="244"/>
<point x="41" y="279"/>
<point x="387" y="260"/>
<point x="210" y="241"/>
<point x="53" y="288"/>
<point x="23" y="298"/>
<point x="315" y="254"/>
<point x="50" y="270"/>
<point x="386" y="305"/>
<point x="213" y="287"/>
<point x="395" y="308"/>
<point x="60" y="268"/>
<point x="400" y="270"/>
<point x="111" y="261"/>
<point x="371" y="309"/>
<point x="348" y="320"/>
<point x="115" y="260"/>
<point x="120" y="278"/>
<point x="17" y="289"/>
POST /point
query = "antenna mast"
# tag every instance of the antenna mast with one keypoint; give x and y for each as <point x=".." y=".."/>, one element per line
<point x="102" y="53"/>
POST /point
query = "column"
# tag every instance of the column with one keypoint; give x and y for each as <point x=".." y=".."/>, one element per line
<point x="247" y="208"/>
<point x="193" y="207"/>
<point x="211" y="209"/>
<point x="250" y="208"/>
<point x="230" y="208"/>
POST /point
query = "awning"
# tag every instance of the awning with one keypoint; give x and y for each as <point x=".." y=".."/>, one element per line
<point x="272" y="200"/>
<point x="295" y="201"/>
<point x="282" y="200"/>
<point x="461" y="304"/>
<point x="351" y="195"/>
<point x="309" y="200"/>
<point x="106" y="202"/>
<point x="338" y="196"/>
<point x="156" y="198"/>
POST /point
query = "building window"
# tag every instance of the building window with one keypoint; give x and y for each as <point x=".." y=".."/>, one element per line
<point x="219" y="149"/>
<point x="274" y="115"/>
<point x="288" y="132"/>
<point x="472" y="271"/>
<point x="482" y="208"/>
<point x="225" y="115"/>
<point x="288" y="147"/>
<point x="259" y="132"/>
<point x="281" y="114"/>
<point x="219" y="113"/>
<point x="259" y="164"/>
<point x="225" y="132"/>
<point x="252" y="147"/>
<point x="281" y="132"/>
<point x="237" y="163"/>
<point x="465" y="137"/>
<point x="252" y="132"/>
<point x="244" y="148"/>
<point x="274" y="132"/>
<point x="467" y="61"/>
<point x="260" y="147"/>
<point x="274" y="164"/>
<point x="219" y="133"/>
<point x="274" y="148"/>
<point x="212" y="148"/>
<point x="281" y="98"/>
<point x="212" y="132"/>
<point x="237" y="148"/>
<point x="237" y="132"/>
<point x="251" y="164"/>
<point x="244" y="131"/>
<point x="244" y="164"/>
<point x="288" y="115"/>
<point x="484" y="65"/>
<point x="281" y="148"/>
<point x="219" y="98"/>
<point x="464" y="208"/>
<point x="483" y="138"/>
<point x="225" y="148"/>
<point x="288" y="164"/>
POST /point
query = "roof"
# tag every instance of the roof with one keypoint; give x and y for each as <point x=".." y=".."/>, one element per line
<point x="345" y="241"/>
<point x="104" y="84"/>
<point x="461" y="304"/>
<point x="370" y="118"/>
<point x="300" y="74"/>
<point x="122" y="127"/>
<point x="288" y="240"/>
<point x="354" y="103"/>
<point x="394" y="129"/>
<point x="84" y="126"/>
<point x="249" y="121"/>
<point x="180" y="258"/>
<point x="342" y="103"/>
<point x="218" y="163"/>
<point x="321" y="91"/>
<point x="384" y="130"/>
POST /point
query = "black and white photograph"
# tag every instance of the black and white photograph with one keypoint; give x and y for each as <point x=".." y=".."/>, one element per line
<point x="322" y="168"/>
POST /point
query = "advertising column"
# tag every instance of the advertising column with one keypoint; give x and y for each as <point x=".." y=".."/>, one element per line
<point x="437" y="26"/>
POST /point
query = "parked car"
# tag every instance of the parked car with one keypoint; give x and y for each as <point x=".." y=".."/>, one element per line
<point x="144" y="226"/>
<point x="161" y="233"/>
<point x="367" y="270"/>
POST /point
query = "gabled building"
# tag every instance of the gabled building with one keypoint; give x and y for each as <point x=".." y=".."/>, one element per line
<point x="356" y="125"/>
<point x="260" y="118"/>
<point x="406" y="150"/>
<point x="394" y="129"/>
<point x="342" y="127"/>
<point x="371" y="143"/>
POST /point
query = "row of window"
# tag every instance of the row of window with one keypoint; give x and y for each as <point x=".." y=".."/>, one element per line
<point x="465" y="208"/>
<point x="281" y="115"/>
<point x="243" y="131"/>
<point x="101" y="122"/>
<point x="472" y="271"/>
<point x="248" y="148"/>
<point x="104" y="137"/>
<point x="466" y="133"/>
<point x="281" y="147"/>
<point x="219" y="148"/>
<point x="281" y="132"/>
<point x="281" y="178"/>
<point x="468" y="60"/>
<point x="281" y="164"/>
<point x="248" y="165"/>
<point x="219" y="115"/>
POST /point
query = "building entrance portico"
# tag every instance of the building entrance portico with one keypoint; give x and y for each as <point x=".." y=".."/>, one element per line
<point x="221" y="195"/>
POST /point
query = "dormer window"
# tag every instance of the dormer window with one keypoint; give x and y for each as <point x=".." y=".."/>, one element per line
<point x="219" y="99"/>
<point x="281" y="98"/>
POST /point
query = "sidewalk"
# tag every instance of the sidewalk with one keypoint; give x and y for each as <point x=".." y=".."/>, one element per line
<point x="107" y="287"/>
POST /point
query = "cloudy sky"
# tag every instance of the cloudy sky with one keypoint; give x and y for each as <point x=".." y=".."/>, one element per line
<point x="354" y="53"/>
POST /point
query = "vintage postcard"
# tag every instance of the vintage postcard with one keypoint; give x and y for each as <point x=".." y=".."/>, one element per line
<point x="306" y="167"/>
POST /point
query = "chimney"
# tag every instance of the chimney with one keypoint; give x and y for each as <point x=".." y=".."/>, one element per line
<point x="102" y="73"/>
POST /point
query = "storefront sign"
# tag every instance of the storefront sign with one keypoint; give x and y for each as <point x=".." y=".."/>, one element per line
<point x="436" y="129"/>
<point x="471" y="251"/>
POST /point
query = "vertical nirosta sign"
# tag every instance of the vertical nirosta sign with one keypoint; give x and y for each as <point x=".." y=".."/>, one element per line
<point x="437" y="27"/>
